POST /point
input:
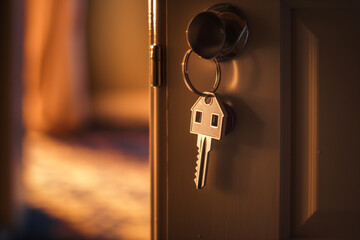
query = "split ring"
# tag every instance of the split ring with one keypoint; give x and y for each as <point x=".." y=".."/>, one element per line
<point x="186" y="78"/>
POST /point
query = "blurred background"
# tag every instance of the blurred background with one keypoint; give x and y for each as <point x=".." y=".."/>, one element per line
<point x="84" y="166"/>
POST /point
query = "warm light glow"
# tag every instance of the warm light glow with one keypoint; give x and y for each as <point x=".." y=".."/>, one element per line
<point x="313" y="125"/>
<point x="98" y="192"/>
<point x="233" y="84"/>
<point x="55" y="93"/>
<point x="309" y="114"/>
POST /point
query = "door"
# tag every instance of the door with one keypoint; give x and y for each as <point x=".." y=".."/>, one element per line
<point x="11" y="121"/>
<point x="325" y="128"/>
<point x="290" y="167"/>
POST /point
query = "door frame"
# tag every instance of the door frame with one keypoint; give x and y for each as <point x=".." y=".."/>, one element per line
<point x="11" y="120"/>
<point x="158" y="124"/>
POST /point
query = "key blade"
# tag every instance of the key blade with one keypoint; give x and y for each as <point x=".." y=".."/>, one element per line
<point x="204" y="147"/>
<point x="199" y="163"/>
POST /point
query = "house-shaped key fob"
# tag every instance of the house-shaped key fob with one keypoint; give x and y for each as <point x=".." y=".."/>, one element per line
<point x="208" y="117"/>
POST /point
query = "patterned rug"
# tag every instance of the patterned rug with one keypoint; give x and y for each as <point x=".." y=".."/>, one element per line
<point x="97" y="185"/>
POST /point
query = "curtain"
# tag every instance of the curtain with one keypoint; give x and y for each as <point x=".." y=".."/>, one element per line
<point x="55" y="89"/>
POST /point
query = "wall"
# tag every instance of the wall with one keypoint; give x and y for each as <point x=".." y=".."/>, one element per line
<point x="118" y="60"/>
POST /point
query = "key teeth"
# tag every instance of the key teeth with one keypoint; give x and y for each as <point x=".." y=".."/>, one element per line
<point x="197" y="166"/>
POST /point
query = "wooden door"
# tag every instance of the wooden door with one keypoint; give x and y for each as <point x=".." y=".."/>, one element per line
<point x="325" y="128"/>
<point x="290" y="168"/>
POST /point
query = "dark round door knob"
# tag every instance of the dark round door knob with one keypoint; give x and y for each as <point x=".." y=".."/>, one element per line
<point x="219" y="32"/>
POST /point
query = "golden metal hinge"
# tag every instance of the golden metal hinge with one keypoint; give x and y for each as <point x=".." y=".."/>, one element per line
<point x="155" y="68"/>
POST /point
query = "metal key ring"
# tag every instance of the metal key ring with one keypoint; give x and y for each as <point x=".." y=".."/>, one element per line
<point x="186" y="78"/>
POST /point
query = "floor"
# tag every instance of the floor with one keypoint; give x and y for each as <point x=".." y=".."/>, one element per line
<point x="92" y="186"/>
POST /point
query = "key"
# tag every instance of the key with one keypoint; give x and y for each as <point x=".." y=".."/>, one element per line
<point x="208" y="120"/>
